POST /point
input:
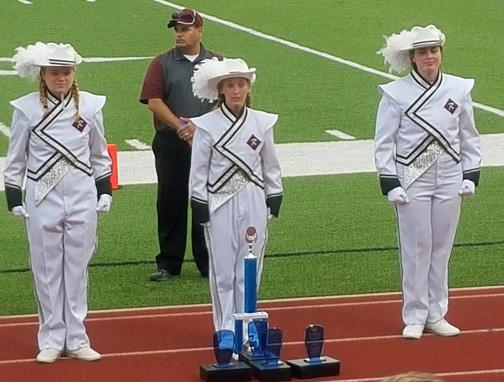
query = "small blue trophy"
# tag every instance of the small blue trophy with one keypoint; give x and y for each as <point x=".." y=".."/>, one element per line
<point x="274" y="346"/>
<point x="224" y="369"/>
<point x="315" y="365"/>
<point x="314" y="342"/>
<point x="223" y="342"/>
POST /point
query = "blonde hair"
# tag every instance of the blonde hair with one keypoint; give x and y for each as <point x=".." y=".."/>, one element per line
<point x="413" y="377"/>
<point x="43" y="90"/>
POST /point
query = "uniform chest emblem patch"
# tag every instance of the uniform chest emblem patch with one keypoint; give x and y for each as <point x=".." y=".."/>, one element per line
<point x="253" y="142"/>
<point x="450" y="105"/>
<point x="80" y="124"/>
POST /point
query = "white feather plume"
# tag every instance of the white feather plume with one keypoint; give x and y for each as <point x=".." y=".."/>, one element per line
<point x="395" y="51"/>
<point x="27" y="60"/>
<point x="206" y="70"/>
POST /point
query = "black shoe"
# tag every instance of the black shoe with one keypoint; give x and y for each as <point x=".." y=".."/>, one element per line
<point x="160" y="275"/>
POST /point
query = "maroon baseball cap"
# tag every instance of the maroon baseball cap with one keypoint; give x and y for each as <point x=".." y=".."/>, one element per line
<point x="186" y="17"/>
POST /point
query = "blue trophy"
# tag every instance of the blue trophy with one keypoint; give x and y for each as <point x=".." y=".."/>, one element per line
<point x="272" y="355"/>
<point x="223" y="342"/>
<point x="314" y="342"/>
<point x="224" y="369"/>
<point x="315" y="365"/>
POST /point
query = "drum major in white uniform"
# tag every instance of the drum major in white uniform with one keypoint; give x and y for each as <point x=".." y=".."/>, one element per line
<point x="427" y="154"/>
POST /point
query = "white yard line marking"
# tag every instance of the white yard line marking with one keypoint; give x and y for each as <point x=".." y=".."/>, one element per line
<point x="313" y="51"/>
<point x="137" y="144"/>
<point x="318" y="158"/>
<point x="8" y="73"/>
<point x="207" y="311"/>
<point x="27" y="2"/>
<point x="5" y="130"/>
<point x="340" y="135"/>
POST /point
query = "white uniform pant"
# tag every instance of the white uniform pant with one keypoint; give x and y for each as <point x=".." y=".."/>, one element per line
<point x="62" y="238"/>
<point x="225" y="238"/>
<point x="426" y="230"/>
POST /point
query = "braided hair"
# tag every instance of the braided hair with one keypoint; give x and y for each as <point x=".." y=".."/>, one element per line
<point x="43" y="96"/>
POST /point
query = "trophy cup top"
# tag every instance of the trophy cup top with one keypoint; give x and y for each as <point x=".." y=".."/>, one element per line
<point x="251" y="235"/>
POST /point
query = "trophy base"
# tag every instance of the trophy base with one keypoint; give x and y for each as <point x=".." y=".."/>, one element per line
<point x="303" y="369"/>
<point x="238" y="371"/>
<point x="265" y="372"/>
<point x="248" y="358"/>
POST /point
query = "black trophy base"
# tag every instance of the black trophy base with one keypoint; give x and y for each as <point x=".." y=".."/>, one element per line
<point x="303" y="369"/>
<point x="239" y="371"/>
<point x="280" y="372"/>
<point x="248" y="358"/>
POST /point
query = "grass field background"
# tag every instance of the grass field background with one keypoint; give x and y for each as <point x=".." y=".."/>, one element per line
<point x="336" y="234"/>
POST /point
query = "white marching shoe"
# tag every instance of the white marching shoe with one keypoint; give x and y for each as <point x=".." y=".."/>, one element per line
<point x="48" y="355"/>
<point x="84" y="354"/>
<point x="442" y="328"/>
<point x="413" y="331"/>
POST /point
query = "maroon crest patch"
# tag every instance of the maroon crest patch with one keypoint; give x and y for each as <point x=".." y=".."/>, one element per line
<point x="450" y="105"/>
<point x="80" y="124"/>
<point x="253" y="142"/>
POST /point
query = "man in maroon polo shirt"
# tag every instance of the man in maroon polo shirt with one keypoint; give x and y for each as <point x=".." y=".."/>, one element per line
<point x="167" y="91"/>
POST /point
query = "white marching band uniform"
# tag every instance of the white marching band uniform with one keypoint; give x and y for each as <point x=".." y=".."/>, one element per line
<point x="426" y="142"/>
<point x="67" y="166"/>
<point x="235" y="182"/>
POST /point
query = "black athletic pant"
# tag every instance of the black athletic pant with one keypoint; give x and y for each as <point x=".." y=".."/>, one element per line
<point x="173" y="160"/>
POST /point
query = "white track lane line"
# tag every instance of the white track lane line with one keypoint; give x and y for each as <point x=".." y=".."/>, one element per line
<point x="207" y="312"/>
<point x="290" y="343"/>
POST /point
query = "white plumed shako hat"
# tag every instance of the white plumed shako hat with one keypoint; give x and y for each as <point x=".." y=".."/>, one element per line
<point x="397" y="46"/>
<point x="28" y="60"/>
<point x="210" y="72"/>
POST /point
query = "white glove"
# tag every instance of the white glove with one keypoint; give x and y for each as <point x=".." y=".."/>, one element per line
<point x="20" y="212"/>
<point x="397" y="196"/>
<point x="104" y="203"/>
<point x="269" y="214"/>
<point x="467" y="188"/>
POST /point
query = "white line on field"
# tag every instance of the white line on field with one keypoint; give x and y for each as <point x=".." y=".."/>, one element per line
<point x="5" y="130"/>
<point x="8" y="73"/>
<point x="137" y="144"/>
<point x="340" y="135"/>
<point x="25" y="2"/>
<point x="313" y="51"/>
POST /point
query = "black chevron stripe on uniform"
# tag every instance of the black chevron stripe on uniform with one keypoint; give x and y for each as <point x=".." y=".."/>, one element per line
<point x="39" y="131"/>
<point x="45" y="167"/>
<point x="220" y="145"/>
<point x="222" y="180"/>
<point x="417" y="151"/>
<point x="416" y="106"/>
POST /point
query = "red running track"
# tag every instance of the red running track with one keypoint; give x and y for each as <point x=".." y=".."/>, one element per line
<point x="363" y="332"/>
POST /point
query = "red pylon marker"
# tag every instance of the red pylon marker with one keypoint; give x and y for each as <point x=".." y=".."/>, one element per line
<point x="114" y="177"/>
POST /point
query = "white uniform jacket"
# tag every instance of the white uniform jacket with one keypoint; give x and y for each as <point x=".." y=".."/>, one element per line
<point x="227" y="152"/>
<point x="414" y="114"/>
<point x="41" y="143"/>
